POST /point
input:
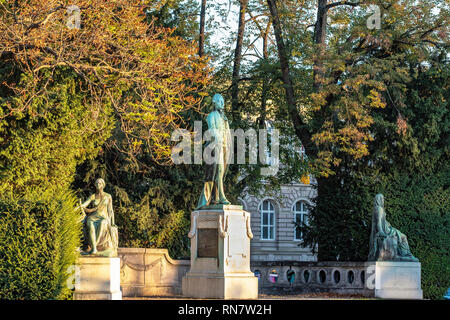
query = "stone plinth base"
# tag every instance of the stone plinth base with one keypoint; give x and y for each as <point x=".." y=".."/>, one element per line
<point x="98" y="279"/>
<point x="239" y="286"/>
<point x="397" y="280"/>
<point x="220" y="255"/>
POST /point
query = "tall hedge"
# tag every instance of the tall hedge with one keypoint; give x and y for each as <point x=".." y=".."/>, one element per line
<point x="38" y="241"/>
<point x="419" y="206"/>
<point x="408" y="163"/>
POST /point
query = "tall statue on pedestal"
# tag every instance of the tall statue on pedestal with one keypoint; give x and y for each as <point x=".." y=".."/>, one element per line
<point x="99" y="229"/>
<point x="386" y="242"/>
<point x="213" y="191"/>
<point x="220" y="233"/>
<point x="99" y="265"/>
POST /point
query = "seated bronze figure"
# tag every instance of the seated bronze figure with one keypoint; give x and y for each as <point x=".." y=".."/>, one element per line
<point x="99" y="230"/>
<point x="386" y="242"/>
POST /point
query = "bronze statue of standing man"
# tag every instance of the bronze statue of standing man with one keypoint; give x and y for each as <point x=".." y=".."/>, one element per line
<point x="213" y="191"/>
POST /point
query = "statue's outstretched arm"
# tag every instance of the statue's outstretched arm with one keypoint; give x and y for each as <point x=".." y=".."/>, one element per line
<point x="87" y="202"/>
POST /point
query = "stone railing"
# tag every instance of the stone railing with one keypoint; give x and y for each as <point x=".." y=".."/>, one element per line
<point x="289" y="277"/>
<point x="151" y="272"/>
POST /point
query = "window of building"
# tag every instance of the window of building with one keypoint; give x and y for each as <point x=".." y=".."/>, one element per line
<point x="267" y="211"/>
<point x="300" y="217"/>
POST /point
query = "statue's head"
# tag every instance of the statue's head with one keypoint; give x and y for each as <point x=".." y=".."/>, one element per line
<point x="379" y="200"/>
<point x="100" y="184"/>
<point x="218" y="102"/>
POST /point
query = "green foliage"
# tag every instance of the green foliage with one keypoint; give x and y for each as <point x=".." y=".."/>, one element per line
<point x="118" y="84"/>
<point x="42" y="144"/>
<point x="408" y="164"/>
<point x="38" y="239"/>
<point x="154" y="219"/>
<point x="152" y="202"/>
<point x="419" y="206"/>
<point x="340" y="221"/>
<point x="178" y="14"/>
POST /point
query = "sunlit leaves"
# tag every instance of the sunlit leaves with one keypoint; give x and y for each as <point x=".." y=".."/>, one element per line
<point x="64" y="90"/>
<point x="120" y="58"/>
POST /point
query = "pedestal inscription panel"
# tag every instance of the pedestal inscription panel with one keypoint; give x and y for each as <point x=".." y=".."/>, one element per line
<point x="207" y="245"/>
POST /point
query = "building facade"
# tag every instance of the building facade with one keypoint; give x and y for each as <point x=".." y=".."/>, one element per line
<point x="275" y="237"/>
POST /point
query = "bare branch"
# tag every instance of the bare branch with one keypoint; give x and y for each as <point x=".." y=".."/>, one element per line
<point x="342" y="3"/>
<point x="437" y="44"/>
<point x="255" y="17"/>
<point x="43" y="21"/>
<point x="426" y="33"/>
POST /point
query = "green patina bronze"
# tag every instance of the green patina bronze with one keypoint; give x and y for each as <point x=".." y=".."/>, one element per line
<point x="99" y="229"/>
<point x="386" y="242"/>
<point x="213" y="191"/>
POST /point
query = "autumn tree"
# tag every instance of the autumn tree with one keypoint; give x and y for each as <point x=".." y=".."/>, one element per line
<point x="342" y="85"/>
<point x="153" y="199"/>
<point x="74" y="76"/>
<point x="84" y="80"/>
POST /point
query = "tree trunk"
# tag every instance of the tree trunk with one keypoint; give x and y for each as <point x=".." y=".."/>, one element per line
<point x="320" y="31"/>
<point x="299" y="125"/>
<point x="201" y="38"/>
<point x="235" y="106"/>
<point x="265" y="80"/>
<point x="237" y="63"/>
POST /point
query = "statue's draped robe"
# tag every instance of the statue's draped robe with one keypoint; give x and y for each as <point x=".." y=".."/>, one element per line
<point x="218" y="124"/>
<point x="393" y="247"/>
<point x="106" y="235"/>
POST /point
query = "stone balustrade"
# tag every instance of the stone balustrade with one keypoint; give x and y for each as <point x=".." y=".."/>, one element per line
<point x="285" y="277"/>
<point x="151" y="272"/>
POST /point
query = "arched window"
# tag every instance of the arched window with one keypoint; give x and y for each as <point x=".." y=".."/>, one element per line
<point x="267" y="212"/>
<point x="243" y="204"/>
<point x="300" y="217"/>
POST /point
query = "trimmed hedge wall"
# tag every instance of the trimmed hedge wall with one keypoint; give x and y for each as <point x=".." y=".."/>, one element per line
<point x="419" y="206"/>
<point x="38" y="241"/>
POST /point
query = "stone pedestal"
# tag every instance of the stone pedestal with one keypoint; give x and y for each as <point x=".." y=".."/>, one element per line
<point x="98" y="279"/>
<point x="220" y="255"/>
<point x="397" y="280"/>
